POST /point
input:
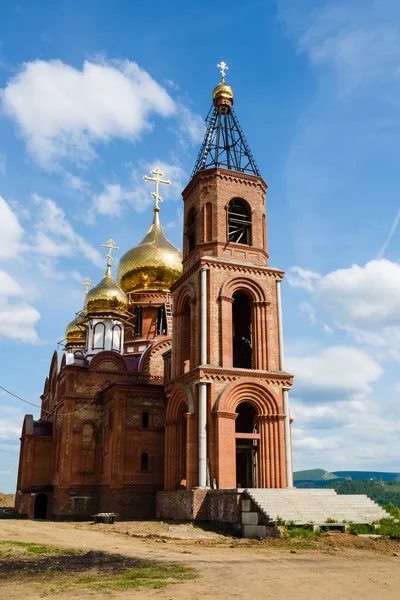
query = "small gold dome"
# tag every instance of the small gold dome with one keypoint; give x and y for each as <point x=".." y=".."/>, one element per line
<point x="75" y="333"/>
<point x="153" y="265"/>
<point x="223" y="90"/>
<point x="106" y="296"/>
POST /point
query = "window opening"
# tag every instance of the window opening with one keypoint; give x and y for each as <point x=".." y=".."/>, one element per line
<point x="138" y="320"/>
<point x="99" y="333"/>
<point x="191" y="230"/>
<point x="145" y="420"/>
<point x="116" y="338"/>
<point x="161" y="321"/>
<point x="239" y="222"/>
<point x="144" y="462"/>
<point x="241" y="331"/>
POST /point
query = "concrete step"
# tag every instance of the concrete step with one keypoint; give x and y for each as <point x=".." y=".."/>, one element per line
<point x="315" y="505"/>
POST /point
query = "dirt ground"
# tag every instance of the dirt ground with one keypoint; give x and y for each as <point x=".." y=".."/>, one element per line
<point x="336" y="566"/>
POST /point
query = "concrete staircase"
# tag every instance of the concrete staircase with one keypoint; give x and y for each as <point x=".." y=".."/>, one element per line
<point x="264" y="508"/>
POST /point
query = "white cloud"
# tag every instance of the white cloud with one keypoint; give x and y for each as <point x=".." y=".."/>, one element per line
<point x="76" y="183"/>
<point x="303" y="278"/>
<point x="112" y="200"/>
<point x="17" y="319"/>
<point x="192" y="126"/>
<point x="11" y="232"/>
<point x="357" y="40"/>
<point x="54" y="236"/>
<point x="334" y="372"/>
<point x="363" y="301"/>
<point x="62" y="112"/>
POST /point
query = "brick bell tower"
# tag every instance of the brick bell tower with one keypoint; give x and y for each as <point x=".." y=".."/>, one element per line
<point x="227" y="423"/>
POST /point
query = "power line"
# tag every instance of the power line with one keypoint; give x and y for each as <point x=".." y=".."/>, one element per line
<point x="49" y="412"/>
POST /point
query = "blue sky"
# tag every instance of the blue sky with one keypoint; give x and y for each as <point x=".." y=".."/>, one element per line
<point x="93" y="94"/>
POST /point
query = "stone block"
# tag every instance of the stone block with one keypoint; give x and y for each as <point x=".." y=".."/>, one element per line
<point x="246" y="505"/>
<point x="254" y="531"/>
<point x="250" y="518"/>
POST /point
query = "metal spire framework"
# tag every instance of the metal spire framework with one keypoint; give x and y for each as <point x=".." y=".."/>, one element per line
<point x="224" y="144"/>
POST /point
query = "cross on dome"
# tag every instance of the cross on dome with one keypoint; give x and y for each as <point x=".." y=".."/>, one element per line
<point x="88" y="284"/>
<point x="224" y="67"/>
<point x="111" y="246"/>
<point x="158" y="174"/>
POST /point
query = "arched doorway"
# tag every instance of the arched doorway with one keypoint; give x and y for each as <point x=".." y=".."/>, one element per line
<point x="241" y="331"/>
<point x="246" y="446"/>
<point x="40" y="506"/>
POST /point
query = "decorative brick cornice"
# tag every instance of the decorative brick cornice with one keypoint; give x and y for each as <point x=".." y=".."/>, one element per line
<point x="211" y="374"/>
<point x="217" y="173"/>
<point x="234" y="266"/>
<point x="271" y="418"/>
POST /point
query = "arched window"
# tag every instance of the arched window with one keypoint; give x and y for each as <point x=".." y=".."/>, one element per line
<point x="138" y="320"/>
<point x="78" y="354"/>
<point x="116" y="338"/>
<point x="145" y="420"/>
<point x="239" y="222"/>
<point x="99" y="335"/>
<point x="241" y="330"/>
<point x="144" y="462"/>
<point x="191" y="230"/>
<point x="208" y="222"/>
<point x="185" y="337"/>
<point x="245" y="422"/>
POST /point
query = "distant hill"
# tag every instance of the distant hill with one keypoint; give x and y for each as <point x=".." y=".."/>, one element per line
<point x="316" y="475"/>
<point x="358" y="475"/>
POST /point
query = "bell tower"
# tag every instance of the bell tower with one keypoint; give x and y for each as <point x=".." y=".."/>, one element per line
<point x="228" y="422"/>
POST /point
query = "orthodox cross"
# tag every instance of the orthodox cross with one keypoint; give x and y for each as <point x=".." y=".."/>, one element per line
<point x="157" y="180"/>
<point x="111" y="246"/>
<point x="224" y="67"/>
<point x="88" y="284"/>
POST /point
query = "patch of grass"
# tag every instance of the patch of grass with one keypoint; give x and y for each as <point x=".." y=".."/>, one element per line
<point x="293" y="531"/>
<point x="7" y="548"/>
<point x="153" y="575"/>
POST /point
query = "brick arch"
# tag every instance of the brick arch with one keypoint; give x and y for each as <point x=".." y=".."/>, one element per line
<point x="108" y="360"/>
<point x="247" y="390"/>
<point x="152" y="361"/>
<point x="243" y="284"/>
<point x="180" y="397"/>
<point x="187" y="291"/>
<point x="53" y="372"/>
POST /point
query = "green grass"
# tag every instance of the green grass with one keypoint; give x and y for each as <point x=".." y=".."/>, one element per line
<point x="150" y="574"/>
<point x="8" y="548"/>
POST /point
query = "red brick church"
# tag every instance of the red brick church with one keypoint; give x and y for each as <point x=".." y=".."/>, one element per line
<point x="171" y="383"/>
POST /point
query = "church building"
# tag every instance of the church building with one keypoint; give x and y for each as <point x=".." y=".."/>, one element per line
<point x="171" y="392"/>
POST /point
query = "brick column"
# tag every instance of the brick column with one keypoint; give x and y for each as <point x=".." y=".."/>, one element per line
<point x="226" y="449"/>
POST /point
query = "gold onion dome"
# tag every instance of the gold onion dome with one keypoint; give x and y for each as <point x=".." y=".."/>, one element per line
<point x="153" y="265"/>
<point x="223" y="90"/>
<point x="106" y="296"/>
<point x="75" y="333"/>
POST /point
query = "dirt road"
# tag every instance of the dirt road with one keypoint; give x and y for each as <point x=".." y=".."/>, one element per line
<point x="254" y="571"/>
